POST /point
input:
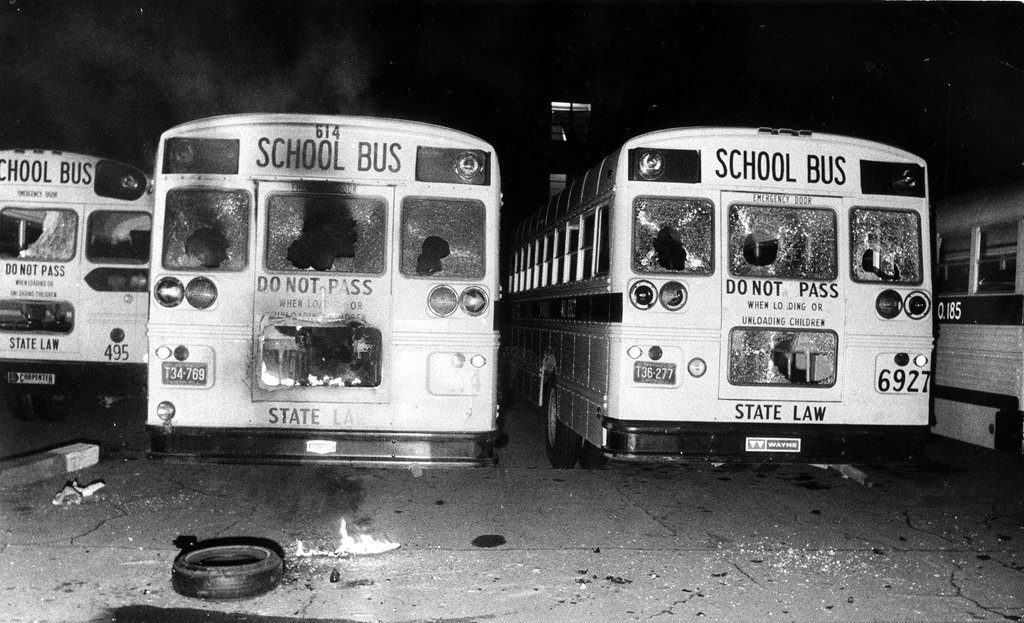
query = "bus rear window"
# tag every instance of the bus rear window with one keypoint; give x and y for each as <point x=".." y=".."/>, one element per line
<point x="791" y="243"/>
<point x="443" y="238"/>
<point x="333" y="233"/>
<point x="673" y="235"/>
<point x="886" y="246"/>
<point x="776" y="357"/>
<point x="47" y="235"/>
<point x="118" y="237"/>
<point x="206" y="229"/>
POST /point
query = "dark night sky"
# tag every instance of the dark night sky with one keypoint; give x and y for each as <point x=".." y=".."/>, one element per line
<point x="942" y="80"/>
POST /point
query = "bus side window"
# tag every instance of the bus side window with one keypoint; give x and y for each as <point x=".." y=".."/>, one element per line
<point x="954" y="266"/>
<point x="47" y="235"/>
<point x="997" y="258"/>
<point x="118" y="237"/>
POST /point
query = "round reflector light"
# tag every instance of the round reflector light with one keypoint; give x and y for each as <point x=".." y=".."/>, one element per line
<point x="901" y="359"/>
<point x="163" y="352"/>
<point x="473" y="301"/>
<point x="672" y="295"/>
<point x="921" y="361"/>
<point x="697" y="367"/>
<point x="117" y="335"/>
<point x="650" y="165"/>
<point x="642" y="295"/>
<point x="442" y="300"/>
<point x="889" y="304"/>
<point x="468" y="165"/>
<point x="201" y="293"/>
<point x="165" y="411"/>
<point x="478" y="361"/>
<point x="634" y="352"/>
<point x="181" y="353"/>
<point x="918" y="305"/>
<point x="655" y="353"/>
<point x="458" y="360"/>
<point x="169" y="292"/>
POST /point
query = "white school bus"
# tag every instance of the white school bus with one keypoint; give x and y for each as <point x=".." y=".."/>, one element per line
<point x="752" y="295"/>
<point x="979" y="289"/>
<point x="323" y="291"/>
<point x="74" y="244"/>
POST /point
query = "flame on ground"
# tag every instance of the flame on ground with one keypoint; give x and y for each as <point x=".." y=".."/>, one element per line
<point x="360" y="545"/>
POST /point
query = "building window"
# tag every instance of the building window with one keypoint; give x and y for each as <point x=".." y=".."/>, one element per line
<point x="570" y="122"/>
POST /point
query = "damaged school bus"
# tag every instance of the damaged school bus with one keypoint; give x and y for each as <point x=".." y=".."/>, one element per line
<point x="323" y="291"/>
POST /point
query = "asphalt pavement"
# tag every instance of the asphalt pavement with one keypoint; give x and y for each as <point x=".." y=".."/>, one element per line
<point x="941" y="541"/>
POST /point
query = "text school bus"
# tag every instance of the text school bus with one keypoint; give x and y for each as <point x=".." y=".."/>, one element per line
<point x="74" y="245"/>
<point x="729" y="295"/>
<point x="323" y="291"/>
<point x="979" y="287"/>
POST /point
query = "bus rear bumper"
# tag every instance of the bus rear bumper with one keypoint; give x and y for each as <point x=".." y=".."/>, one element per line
<point x="399" y="449"/>
<point x="704" y="441"/>
<point x="72" y="377"/>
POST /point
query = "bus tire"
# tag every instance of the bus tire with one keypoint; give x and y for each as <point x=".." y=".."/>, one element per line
<point x="226" y="571"/>
<point x="561" y="443"/>
<point x="591" y="457"/>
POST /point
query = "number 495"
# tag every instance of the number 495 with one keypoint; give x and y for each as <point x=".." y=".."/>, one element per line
<point x="116" y="352"/>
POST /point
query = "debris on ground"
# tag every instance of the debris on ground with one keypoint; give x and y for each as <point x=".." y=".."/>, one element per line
<point x="72" y="493"/>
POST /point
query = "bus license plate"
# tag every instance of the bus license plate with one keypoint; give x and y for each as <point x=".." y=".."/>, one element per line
<point x="184" y="373"/>
<point x="654" y="373"/>
<point x="31" y="378"/>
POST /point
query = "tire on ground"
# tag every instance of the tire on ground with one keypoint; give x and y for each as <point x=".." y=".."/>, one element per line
<point x="227" y="570"/>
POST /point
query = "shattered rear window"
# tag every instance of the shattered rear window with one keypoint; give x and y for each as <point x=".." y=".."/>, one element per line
<point x="333" y="355"/>
<point x="334" y="233"/>
<point x="791" y="243"/>
<point x="206" y="229"/>
<point x="886" y="245"/>
<point x="674" y="235"/>
<point x="778" y="357"/>
<point x="47" y="235"/>
<point x="443" y="238"/>
<point x="118" y="237"/>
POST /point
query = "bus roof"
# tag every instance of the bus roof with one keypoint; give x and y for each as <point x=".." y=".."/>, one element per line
<point x="364" y="122"/>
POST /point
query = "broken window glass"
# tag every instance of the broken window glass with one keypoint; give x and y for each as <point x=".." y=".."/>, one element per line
<point x="206" y="229"/>
<point x="334" y="355"/>
<point x="672" y="234"/>
<point x="47" y="235"/>
<point x="443" y="238"/>
<point x="118" y="237"/>
<point x="791" y="243"/>
<point x="885" y="245"/>
<point x="772" y="357"/>
<point x="334" y="233"/>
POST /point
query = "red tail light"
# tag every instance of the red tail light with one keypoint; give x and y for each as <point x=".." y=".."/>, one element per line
<point x="442" y="300"/>
<point x="201" y="293"/>
<point x="889" y="304"/>
<point x="169" y="292"/>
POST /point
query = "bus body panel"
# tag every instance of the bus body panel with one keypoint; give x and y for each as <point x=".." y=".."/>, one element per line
<point x="336" y="359"/>
<point x="792" y="330"/>
<point x="75" y="254"/>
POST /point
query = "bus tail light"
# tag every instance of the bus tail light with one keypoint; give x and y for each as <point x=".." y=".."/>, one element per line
<point x="473" y="301"/>
<point x="117" y="280"/>
<point x="918" y="305"/>
<point x="642" y="295"/>
<point x="672" y="295"/>
<point x="453" y="166"/>
<point x="664" y="165"/>
<point x="218" y="156"/>
<point x="442" y="300"/>
<point x="169" y="292"/>
<point x="697" y="367"/>
<point x="165" y="411"/>
<point x="889" y="304"/>
<point x="201" y="293"/>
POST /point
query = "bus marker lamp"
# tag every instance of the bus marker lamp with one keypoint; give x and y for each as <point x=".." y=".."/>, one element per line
<point x="163" y="352"/>
<point x="696" y="367"/>
<point x="673" y="295"/>
<point x="650" y="165"/>
<point x="468" y="165"/>
<point x="169" y="292"/>
<point x="634" y="352"/>
<point x="655" y="353"/>
<point x="458" y="360"/>
<point x="117" y="335"/>
<point x="201" y="293"/>
<point x="478" y="361"/>
<point x="181" y="353"/>
<point x="473" y="301"/>
<point x="889" y="304"/>
<point x="901" y="359"/>
<point x="165" y="411"/>
<point x="642" y="295"/>
<point x="442" y="300"/>
<point x="921" y="361"/>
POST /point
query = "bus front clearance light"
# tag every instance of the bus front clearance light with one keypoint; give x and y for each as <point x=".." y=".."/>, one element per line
<point x="672" y="296"/>
<point x="889" y="304"/>
<point x="201" y="293"/>
<point x="165" y="411"/>
<point x="468" y="165"/>
<point x="696" y="367"/>
<point x="642" y="295"/>
<point x="442" y="301"/>
<point x="169" y="292"/>
<point x="650" y="165"/>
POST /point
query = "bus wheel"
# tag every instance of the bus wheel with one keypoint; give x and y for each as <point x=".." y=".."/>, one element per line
<point x="561" y="442"/>
<point x="226" y="570"/>
<point x="591" y="456"/>
<point x="50" y="407"/>
<point x="20" y="406"/>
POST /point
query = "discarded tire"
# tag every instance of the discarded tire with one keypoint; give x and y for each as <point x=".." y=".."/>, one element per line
<point x="217" y="570"/>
